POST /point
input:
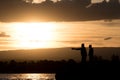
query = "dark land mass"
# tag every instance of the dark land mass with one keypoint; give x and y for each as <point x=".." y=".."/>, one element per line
<point x="63" y="10"/>
<point x="101" y="69"/>
<point x="68" y="69"/>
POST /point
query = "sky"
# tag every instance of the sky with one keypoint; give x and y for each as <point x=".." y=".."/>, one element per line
<point x="59" y="34"/>
<point x="32" y="35"/>
<point x="93" y="1"/>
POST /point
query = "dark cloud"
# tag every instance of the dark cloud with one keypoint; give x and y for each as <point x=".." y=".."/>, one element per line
<point x="3" y="34"/>
<point x="107" y="38"/>
<point x="63" y="10"/>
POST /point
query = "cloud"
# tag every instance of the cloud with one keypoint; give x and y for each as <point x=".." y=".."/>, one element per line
<point x="3" y="34"/>
<point x="107" y="38"/>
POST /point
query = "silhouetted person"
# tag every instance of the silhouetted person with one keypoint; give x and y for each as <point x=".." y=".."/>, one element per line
<point x="83" y="52"/>
<point x="91" y="53"/>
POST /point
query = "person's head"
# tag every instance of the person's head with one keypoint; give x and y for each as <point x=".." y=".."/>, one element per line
<point x="82" y="45"/>
<point x="90" y="46"/>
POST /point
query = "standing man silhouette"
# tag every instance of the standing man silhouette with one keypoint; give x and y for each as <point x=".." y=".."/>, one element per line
<point x="91" y="53"/>
<point x="83" y="52"/>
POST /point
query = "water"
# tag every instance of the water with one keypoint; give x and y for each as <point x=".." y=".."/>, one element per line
<point x="32" y="76"/>
<point x="59" y="34"/>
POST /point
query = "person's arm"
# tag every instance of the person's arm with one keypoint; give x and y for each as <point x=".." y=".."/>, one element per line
<point x="76" y="48"/>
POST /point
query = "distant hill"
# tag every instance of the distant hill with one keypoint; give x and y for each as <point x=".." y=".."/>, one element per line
<point x="55" y="54"/>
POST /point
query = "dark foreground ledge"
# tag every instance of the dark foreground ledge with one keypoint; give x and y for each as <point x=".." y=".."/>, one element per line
<point x="89" y="71"/>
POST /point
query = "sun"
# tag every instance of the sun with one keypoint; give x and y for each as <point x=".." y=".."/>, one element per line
<point x="35" y="31"/>
<point x="33" y="35"/>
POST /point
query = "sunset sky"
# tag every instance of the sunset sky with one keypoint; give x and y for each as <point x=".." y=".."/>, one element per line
<point x="61" y="29"/>
<point x="34" y="34"/>
<point x="29" y="35"/>
<point x="93" y="1"/>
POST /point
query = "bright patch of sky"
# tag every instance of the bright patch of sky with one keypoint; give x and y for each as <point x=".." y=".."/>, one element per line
<point x="93" y="1"/>
<point x="96" y="1"/>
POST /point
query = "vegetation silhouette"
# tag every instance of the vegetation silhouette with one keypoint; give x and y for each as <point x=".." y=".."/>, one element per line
<point x="52" y="66"/>
<point x="96" y="67"/>
<point x="63" y="10"/>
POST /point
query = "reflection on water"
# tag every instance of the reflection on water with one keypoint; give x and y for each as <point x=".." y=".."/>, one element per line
<point x="32" y="76"/>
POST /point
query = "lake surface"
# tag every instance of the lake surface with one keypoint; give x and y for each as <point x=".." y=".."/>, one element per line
<point x="19" y="35"/>
<point x="32" y="76"/>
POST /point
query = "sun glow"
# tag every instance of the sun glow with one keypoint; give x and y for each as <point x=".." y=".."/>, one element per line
<point x="34" y="35"/>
